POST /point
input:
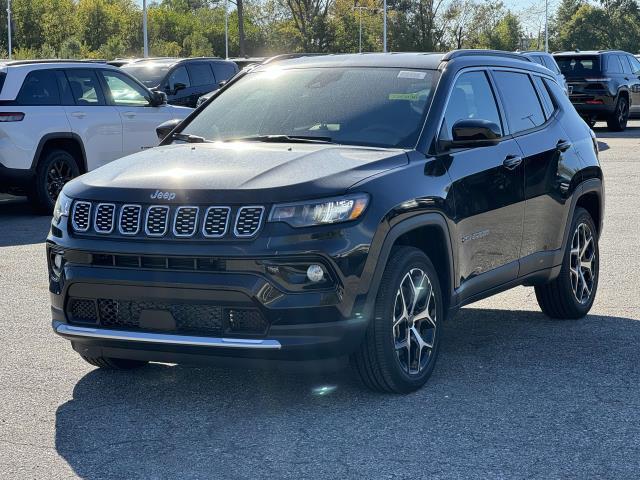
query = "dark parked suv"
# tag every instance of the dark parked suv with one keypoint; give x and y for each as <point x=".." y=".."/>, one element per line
<point x="301" y="219"/>
<point x="184" y="80"/>
<point x="603" y="85"/>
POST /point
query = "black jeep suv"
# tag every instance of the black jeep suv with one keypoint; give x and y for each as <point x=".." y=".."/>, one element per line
<point x="328" y="208"/>
<point x="603" y="85"/>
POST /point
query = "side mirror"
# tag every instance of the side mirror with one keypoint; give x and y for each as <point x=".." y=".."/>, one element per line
<point x="166" y="128"/>
<point x="475" y="133"/>
<point x="178" y="86"/>
<point x="158" y="98"/>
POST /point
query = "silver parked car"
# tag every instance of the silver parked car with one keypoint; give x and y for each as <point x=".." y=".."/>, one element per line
<point x="546" y="60"/>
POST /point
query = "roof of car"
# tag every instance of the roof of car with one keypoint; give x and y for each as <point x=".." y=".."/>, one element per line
<point x="423" y="60"/>
<point x="587" y="52"/>
<point x="170" y="60"/>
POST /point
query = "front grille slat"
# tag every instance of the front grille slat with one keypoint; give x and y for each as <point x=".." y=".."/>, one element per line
<point x="104" y="217"/>
<point x="129" y="223"/>
<point x="156" y="221"/>
<point x="248" y="221"/>
<point x="185" y="222"/>
<point x="80" y="218"/>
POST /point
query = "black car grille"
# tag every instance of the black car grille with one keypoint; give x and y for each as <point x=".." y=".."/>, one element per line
<point x="249" y="221"/>
<point x="81" y="216"/>
<point x="157" y="221"/>
<point x="129" y="223"/>
<point x="188" y="318"/>
<point x="103" y="221"/>
<point x="185" y="221"/>
<point x="164" y="221"/>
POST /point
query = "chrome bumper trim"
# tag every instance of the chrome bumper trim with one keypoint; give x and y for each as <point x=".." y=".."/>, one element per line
<point x="164" y="338"/>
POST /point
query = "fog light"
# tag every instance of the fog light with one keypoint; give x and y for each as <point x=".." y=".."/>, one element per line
<point x="315" y="273"/>
<point x="56" y="265"/>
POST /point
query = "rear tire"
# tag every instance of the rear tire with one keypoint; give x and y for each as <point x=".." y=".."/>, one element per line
<point x="617" y="121"/>
<point x="571" y="294"/>
<point x="108" y="363"/>
<point x="402" y="341"/>
<point x="54" y="170"/>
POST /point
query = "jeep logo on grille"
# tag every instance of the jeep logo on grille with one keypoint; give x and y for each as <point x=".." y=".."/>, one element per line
<point x="159" y="195"/>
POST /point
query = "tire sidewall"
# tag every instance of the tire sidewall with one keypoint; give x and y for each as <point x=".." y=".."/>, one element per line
<point x="580" y="216"/>
<point x="384" y="318"/>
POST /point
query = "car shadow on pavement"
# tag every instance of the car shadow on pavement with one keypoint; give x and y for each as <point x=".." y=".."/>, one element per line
<point x="20" y="224"/>
<point x="514" y="393"/>
<point x="604" y="132"/>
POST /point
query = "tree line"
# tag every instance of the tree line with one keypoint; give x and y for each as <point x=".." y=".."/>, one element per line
<point x="113" y="28"/>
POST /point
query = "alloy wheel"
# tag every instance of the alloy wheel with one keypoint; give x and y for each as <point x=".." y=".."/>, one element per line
<point x="59" y="173"/>
<point x="583" y="268"/>
<point x="623" y="110"/>
<point x="414" y="321"/>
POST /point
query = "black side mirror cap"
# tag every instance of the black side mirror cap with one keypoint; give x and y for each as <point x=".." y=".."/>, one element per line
<point x="165" y="128"/>
<point x="158" y="98"/>
<point x="178" y="86"/>
<point x="471" y="133"/>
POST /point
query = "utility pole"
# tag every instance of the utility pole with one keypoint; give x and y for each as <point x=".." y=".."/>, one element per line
<point x="9" y="25"/>
<point x="384" y="27"/>
<point x="546" y="25"/>
<point x="145" y="39"/>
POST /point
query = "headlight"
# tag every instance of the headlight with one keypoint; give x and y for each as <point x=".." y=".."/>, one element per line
<point x="320" y="212"/>
<point x="63" y="205"/>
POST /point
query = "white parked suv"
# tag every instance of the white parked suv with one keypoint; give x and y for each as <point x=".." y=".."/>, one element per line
<point x="59" y="119"/>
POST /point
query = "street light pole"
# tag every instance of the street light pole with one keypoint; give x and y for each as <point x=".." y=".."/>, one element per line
<point x="9" y="26"/>
<point x="145" y="39"/>
<point x="226" y="28"/>
<point x="359" y="9"/>
<point x="384" y="27"/>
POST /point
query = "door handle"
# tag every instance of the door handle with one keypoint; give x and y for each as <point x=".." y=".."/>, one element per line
<point x="78" y="114"/>
<point x="563" y="145"/>
<point x="129" y="114"/>
<point x="512" y="162"/>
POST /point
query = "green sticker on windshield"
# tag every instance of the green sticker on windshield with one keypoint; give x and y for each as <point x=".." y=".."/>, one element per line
<point x="404" y="96"/>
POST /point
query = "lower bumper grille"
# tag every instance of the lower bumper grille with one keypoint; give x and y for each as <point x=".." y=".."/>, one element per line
<point x="182" y="318"/>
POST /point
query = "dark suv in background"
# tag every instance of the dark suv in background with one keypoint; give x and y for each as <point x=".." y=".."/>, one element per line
<point x="300" y="219"/>
<point x="184" y="80"/>
<point x="603" y="85"/>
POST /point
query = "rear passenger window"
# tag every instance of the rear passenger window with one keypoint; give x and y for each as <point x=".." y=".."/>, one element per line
<point x="544" y="96"/>
<point x="84" y="87"/>
<point x="471" y="97"/>
<point x="40" y="87"/>
<point x="520" y="101"/>
<point x="200" y="74"/>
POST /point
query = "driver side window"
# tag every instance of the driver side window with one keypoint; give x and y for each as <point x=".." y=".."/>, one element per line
<point x="179" y="77"/>
<point x="471" y="97"/>
<point x="125" y="92"/>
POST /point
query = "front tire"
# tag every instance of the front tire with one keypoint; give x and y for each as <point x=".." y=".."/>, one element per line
<point x="571" y="294"/>
<point x="401" y="345"/>
<point x="617" y="122"/>
<point x="53" y="172"/>
<point x="108" y="363"/>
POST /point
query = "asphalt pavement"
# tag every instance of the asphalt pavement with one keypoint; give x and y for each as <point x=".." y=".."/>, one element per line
<point x="514" y="394"/>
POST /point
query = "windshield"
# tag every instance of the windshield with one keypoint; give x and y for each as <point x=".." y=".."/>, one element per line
<point x="149" y="75"/>
<point x="579" y="65"/>
<point x="380" y="107"/>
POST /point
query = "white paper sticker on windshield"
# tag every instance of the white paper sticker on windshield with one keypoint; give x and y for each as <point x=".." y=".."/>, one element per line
<point x="412" y="74"/>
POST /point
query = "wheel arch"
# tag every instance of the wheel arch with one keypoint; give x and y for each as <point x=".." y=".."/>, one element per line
<point x="588" y="195"/>
<point x="68" y="141"/>
<point x="428" y="232"/>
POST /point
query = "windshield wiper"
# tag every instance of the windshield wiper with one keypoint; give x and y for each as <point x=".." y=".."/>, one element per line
<point x="185" y="137"/>
<point x="282" y="139"/>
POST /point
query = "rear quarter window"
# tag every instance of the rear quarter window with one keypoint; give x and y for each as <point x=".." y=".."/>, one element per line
<point x="40" y="87"/>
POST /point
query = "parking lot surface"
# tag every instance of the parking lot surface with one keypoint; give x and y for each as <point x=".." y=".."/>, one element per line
<point x="514" y="394"/>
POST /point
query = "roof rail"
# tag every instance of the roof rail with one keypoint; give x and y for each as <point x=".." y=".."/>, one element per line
<point x="51" y="60"/>
<point x="483" y="53"/>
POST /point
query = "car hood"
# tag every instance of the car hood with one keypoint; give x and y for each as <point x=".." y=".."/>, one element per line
<point x="236" y="172"/>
